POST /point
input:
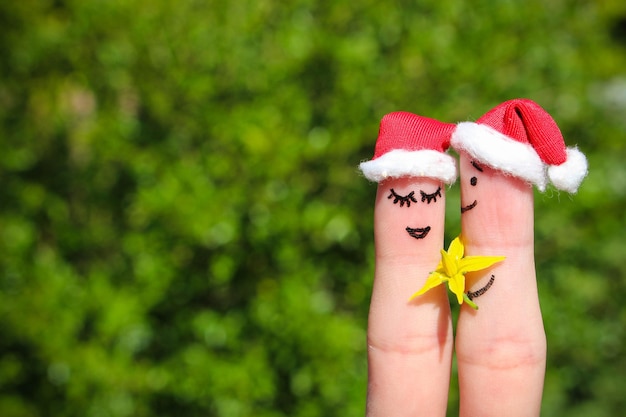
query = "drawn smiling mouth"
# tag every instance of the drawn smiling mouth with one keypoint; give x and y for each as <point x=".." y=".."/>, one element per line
<point x="418" y="233"/>
<point x="469" y="207"/>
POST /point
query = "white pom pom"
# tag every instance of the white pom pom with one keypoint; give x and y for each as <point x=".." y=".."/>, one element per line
<point x="571" y="173"/>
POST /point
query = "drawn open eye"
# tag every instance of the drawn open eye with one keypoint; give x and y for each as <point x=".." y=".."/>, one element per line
<point x="402" y="199"/>
<point x="428" y="198"/>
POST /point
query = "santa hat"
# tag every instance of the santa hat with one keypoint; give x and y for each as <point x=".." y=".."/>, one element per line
<point x="520" y="138"/>
<point x="409" y="145"/>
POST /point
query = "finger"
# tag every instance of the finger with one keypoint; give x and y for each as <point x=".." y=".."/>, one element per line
<point x="409" y="342"/>
<point x="501" y="347"/>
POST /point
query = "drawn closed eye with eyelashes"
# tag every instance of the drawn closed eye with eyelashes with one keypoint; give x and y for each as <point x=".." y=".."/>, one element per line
<point x="410" y="197"/>
<point x="402" y="199"/>
<point x="428" y="198"/>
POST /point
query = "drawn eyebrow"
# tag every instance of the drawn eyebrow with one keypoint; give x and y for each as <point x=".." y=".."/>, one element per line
<point x="478" y="167"/>
<point x="431" y="197"/>
<point x="403" y="199"/>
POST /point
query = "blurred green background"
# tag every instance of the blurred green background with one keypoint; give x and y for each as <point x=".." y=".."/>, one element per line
<point x="183" y="230"/>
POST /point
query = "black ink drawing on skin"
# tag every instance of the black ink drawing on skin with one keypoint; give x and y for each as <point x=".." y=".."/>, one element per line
<point x="431" y="197"/>
<point x="478" y="167"/>
<point x="475" y="294"/>
<point x="402" y="199"/>
<point x="469" y="206"/>
<point x="418" y="233"/>
<point x="473" y="182"/>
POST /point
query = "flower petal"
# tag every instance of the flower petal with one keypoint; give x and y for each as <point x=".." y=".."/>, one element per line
<point x="476" y="263"/>
<point x="456" y="248"/>
<point x="457" y="286"/>
<point x="449" y="264"/>
<point x="434" y="279"/>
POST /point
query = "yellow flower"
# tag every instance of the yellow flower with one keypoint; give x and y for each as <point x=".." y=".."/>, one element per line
<point x="452" y="269"/>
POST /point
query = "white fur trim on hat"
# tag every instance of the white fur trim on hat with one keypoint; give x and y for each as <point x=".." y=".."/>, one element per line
<point x="500" y="152"/>
<point x="402" y="163"/>
<point x="570" y="173"/>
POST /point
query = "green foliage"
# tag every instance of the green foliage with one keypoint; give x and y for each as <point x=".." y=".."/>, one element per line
<point x="182" y="227"/>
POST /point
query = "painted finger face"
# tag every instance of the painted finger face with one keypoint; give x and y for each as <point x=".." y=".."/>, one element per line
<point x="473" y="183"/>
<point x="425" y="197"/>
<point x="412" y="201"/>
<point x="490" y="201"/>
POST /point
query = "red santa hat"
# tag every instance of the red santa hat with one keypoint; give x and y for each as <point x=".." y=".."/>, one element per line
<point x="409" y="145"/>
<point x="520" y="138"/>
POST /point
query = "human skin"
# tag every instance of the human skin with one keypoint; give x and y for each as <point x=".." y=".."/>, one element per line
<point x="409" y="342"/>
<point x="500" y="348"/>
